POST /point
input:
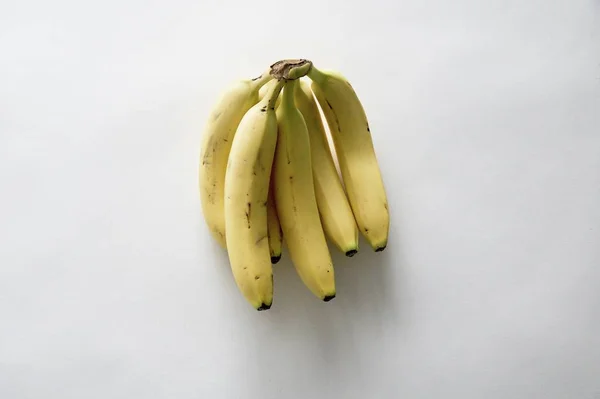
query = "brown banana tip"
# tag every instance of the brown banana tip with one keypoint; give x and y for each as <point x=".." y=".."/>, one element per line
<point x="379" y="249"/>
<point x="351" y="253"/>
<point x="328" y="298"/>
<point x="275" y="259"/>
<point x="264" y="306"/>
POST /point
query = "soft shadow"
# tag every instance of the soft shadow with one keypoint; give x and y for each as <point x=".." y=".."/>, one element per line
<point x="334" y="336"/>
<point x="365" y="304"/>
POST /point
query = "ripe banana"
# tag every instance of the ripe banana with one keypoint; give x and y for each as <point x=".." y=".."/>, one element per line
<point x="216" y="145"/>
<point x="275" y="233"/>
<point x="354" y="147"/>
<point x="295" y="200"/>
<point x="336" y="215"/>
<point x="246" y="193"/>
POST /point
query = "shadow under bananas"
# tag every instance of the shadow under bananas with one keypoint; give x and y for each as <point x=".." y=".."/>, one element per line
<point x="338" y="337"/>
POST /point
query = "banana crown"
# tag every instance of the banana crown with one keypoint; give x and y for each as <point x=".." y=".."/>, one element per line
<point x="290" y="69"/>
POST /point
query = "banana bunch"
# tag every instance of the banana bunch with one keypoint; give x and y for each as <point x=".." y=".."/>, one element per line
<point x="268" y="175"/>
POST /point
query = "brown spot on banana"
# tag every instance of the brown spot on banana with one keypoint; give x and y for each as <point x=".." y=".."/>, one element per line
<point x="293" y="201"/>
<point x="210" y="194"/>
<point x="248" y="213"/>
<point x="206" y="158"/>
<point x="337" y="121"/>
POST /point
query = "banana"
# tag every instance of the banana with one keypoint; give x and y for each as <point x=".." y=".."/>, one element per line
<point x="336" y="215"/>
<point x="216" y="145"/>
<point x="354" y="147"/>
<point x="246" y="191"/>
<point x="263" y="91"/>
<point x="218" y="136"/>
<point x="295" y="200"/>
<point x="275" y="234"/>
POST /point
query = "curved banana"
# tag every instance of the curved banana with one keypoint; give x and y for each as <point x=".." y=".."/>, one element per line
<point x="354" y="147"/>
<point x="275" y="233"/>
<point x="216" y="145"/>
<point x="336" y="215"/>
<point x="295" y="200"/>
<point x="246" y="192"/>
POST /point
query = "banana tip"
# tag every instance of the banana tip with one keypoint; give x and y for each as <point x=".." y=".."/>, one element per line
<point x="351" y="253"/>
<point x="380" y="248"/>
<point x="328" y="298"/>
<point x="264" y="306"/>
<point x="275" y="259"/>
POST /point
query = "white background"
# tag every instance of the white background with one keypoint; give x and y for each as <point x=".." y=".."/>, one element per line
<point x="486" y="120"/>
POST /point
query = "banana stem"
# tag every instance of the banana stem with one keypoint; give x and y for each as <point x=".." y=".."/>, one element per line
<point x="316" y="76"/>
<point x="273" y="92"/>
<point x="290" y="69"/>
<point x="262" y="79"/>
<point x="288" y="99"/>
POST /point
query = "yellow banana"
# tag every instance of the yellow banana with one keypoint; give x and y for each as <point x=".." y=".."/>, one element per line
<point x="336" y="215"/>
<point x="275" y="233"/>
<point x="295" y="200"/>
<point x="246" y="193"/>
<point x="216" y="145"/>
<point x="263" y="91"/>
<point x="218" y="136"/>
<point x="354" y="147"/>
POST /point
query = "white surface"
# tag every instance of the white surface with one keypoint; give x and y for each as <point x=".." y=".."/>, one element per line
<point x="486" y="119"/>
